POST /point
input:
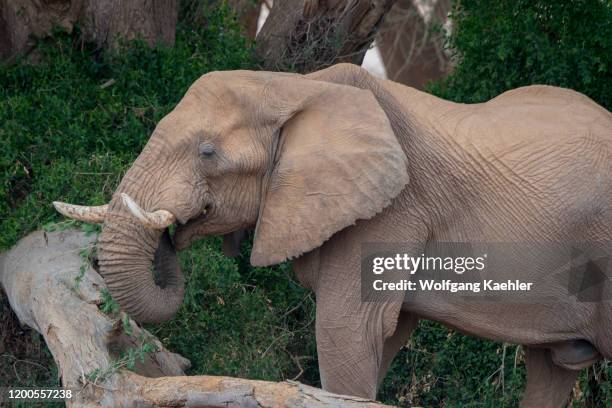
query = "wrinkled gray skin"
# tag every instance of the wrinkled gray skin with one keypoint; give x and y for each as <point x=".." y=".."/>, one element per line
<point x="319" y="164"/>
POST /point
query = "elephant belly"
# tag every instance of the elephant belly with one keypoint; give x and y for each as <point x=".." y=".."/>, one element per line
<point x="526" y="299"/>
<point x="514" y="323"/>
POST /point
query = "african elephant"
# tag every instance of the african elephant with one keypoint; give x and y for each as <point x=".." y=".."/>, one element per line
<point x="321" y="163"/>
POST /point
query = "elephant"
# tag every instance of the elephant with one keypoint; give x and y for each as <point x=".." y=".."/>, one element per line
<point x="319" y="164"/>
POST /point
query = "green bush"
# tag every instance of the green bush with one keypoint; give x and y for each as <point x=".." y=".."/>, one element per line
<point x="242" y="321"/>
<point x="442" y="368"/>
<point x="501" y="45"/>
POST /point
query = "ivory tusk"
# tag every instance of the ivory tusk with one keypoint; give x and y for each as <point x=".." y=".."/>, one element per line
<point x="159" y="219"/>
<point x="93" y="214"/>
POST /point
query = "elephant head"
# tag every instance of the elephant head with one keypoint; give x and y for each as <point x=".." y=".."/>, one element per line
<point x="295" y="158"/>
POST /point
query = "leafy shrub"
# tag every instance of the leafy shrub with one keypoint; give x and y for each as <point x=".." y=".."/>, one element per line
<point x="500" y="45"/>
<point x="240" y="320"/>
<point x="440" y="367"/>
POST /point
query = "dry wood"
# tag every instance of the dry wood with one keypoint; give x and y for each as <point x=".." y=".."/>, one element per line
<point x="307" y="35"/>
<point x="52" y="288"/>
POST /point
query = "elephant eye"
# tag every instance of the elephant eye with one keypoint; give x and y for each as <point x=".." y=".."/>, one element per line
<point x="206" y="149"/>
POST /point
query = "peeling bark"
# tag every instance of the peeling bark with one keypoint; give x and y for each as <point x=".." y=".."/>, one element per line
<point x="40" y="275"/>
<point x="308" y="35"/>
<point x="224" y="392"/>
<point x="104" y="22"/>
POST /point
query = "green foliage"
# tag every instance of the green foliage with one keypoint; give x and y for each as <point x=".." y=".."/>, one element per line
<point x="440" y="367"/>
<point x="500" y="45"/>
<point x="242" y="321"/>
<point x="109" y="305"/>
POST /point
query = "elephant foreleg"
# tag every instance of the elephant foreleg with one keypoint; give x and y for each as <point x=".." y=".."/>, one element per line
<point x="548" y="385"/>
<point x="350" y="344"/>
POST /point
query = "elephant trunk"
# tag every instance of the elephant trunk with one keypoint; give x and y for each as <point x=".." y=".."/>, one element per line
<point x="140" y="267"/>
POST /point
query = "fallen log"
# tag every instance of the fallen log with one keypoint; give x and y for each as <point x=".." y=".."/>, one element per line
<point x="103" y="356"/>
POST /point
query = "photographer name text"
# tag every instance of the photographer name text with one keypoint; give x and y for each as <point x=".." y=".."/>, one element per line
<point x="487" y="285"/>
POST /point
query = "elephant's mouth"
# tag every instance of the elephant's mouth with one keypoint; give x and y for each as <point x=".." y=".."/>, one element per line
<point x="188" y="226"/>
<point x="185" y="235"/>
<point x="194" y="229"/>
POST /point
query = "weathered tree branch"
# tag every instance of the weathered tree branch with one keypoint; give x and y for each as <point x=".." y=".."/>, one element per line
<point x="52" y="287"/>
<point x="307" y="35"/>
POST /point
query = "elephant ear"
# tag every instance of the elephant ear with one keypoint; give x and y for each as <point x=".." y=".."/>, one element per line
<point x="337" y="160"/>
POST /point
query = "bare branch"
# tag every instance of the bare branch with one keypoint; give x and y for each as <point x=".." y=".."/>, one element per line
<point x="52" y="290"/>
<point x="308" y="35"/>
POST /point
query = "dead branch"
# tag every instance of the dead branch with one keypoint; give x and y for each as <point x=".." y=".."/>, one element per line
<point x="307" y="35"/>
<point x="52" y="287"/>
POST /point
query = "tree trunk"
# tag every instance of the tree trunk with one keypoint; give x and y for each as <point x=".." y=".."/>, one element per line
<point x="154" y="21"/>
<point x="52" y="288"/>
<point x="104" y="22"/>
<point x="308" y="35"/>
<point x="412" y="54"/>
